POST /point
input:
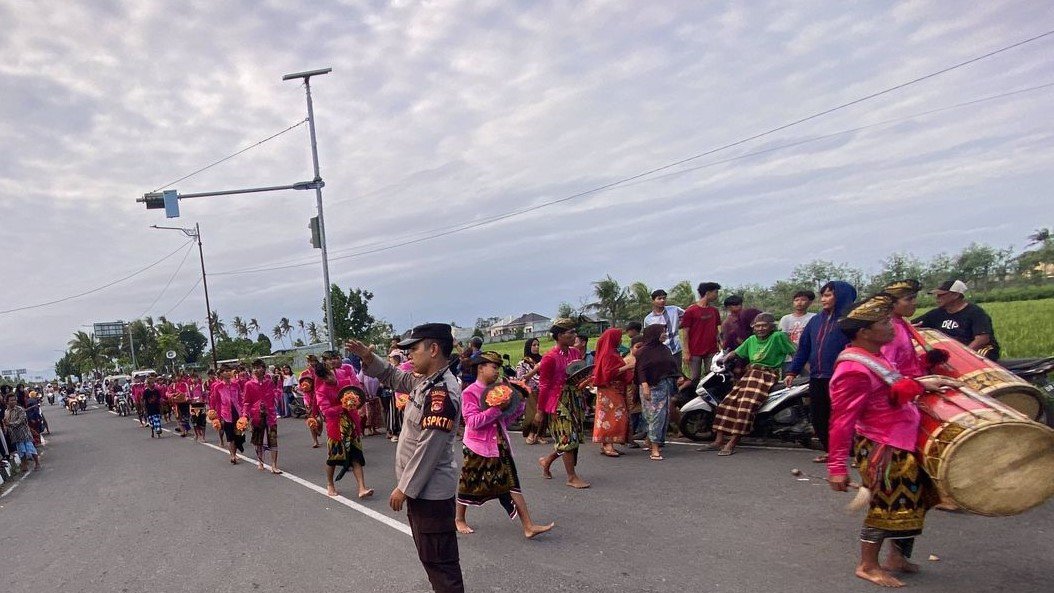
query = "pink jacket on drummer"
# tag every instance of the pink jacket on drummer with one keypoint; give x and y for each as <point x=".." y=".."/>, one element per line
<point x="257" y="395"/>
<point x="481" y="426"/>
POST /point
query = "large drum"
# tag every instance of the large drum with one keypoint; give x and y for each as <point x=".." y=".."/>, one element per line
<point x="986" y="457"/>
<point x="985" y="376"/>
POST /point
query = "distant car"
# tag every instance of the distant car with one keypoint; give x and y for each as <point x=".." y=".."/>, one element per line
<point x="143" y="373"/>
<point x="117" y="380"/>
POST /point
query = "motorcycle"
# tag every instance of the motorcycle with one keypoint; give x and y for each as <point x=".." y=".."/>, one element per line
<point x="72" y="406"/>
<point x="51" y="398"/>
<point x="1036" y="371"/>
<point x="784" y="415"/>
<point x="297" y="407"/>
<point x="82" y="401"/>
<point x="121" y="405"/>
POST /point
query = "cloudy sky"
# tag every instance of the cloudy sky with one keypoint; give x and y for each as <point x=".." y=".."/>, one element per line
<point x="440" y="115"/>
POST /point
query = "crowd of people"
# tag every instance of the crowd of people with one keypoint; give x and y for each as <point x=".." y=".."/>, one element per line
<point x="425" y="395"/>
<point x="23" y="429"/>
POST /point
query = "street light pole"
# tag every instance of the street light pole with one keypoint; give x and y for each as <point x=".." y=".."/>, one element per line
<point x="318" y="197"/>
<point x="195" y="233"/>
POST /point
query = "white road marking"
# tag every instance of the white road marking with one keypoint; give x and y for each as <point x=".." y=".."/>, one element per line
<point x="11" y="488"/>
<point x="351" y="504"/>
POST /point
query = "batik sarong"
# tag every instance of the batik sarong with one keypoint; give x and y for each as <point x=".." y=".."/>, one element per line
<point x="735" y="415"/>
<point x="489" y="478"/>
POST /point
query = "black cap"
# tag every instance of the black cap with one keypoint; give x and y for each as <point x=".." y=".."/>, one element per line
<point x="658" y="293"/>
<point x="429" y="331"/>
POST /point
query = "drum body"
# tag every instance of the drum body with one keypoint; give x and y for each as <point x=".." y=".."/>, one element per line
<point x="985" y="376"/>
<point x="986" y="457"/>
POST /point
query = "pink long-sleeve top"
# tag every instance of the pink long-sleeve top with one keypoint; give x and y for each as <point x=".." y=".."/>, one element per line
<point x="328" y="396"/>
<point x="197" y="393"/>
<point x="552" y="374"/>
<point x="227" y="395"/>
<point x="862" y="401"/>
<point x="310" y="399"/>
<point x="481" y="426"/>
<point x="346" y="375"/>
<point x="901" y="351"/>
<point x="137" y="392"/>
<point x="260" y="395"/>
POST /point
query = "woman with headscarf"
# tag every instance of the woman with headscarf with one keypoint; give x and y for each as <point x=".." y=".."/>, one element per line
<point x="531" y="357"/>
<point x="656" y="373"/>
<point x="611" y="374"/>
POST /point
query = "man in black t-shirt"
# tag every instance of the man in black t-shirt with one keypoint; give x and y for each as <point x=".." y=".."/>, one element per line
<point x="961" y="319"/>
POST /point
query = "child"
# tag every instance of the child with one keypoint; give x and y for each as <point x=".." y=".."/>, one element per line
<point x="764" y="353"/>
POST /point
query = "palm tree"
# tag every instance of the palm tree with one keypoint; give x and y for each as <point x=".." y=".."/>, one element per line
<point x="303" y="328"/>
<point x="681" y="294"/>
<point x="218" y="326"/>
<point x="312" y="332"/>
<point x="611" y="299"/>
<point x="287" y="327"/>
<point x="277" y="331"/>
<point x="253" y="326"/>
<point x="88" y="352"/>
<point x="1039" y="236"/>
<point x="240" y="327"/>
<point x="638" y="301"/>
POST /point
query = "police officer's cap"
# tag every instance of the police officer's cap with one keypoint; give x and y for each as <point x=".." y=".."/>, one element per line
<point x="429" y="331"/>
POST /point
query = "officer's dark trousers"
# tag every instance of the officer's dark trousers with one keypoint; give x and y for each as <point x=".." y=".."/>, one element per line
<point x="432" y="525"/>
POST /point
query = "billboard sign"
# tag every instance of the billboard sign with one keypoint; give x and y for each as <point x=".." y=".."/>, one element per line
<point x="109" y="329"/>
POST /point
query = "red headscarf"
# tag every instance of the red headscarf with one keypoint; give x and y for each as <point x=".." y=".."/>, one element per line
<point x="608" y="360"/>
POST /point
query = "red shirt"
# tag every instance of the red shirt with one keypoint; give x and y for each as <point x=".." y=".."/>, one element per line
<point x="702" y="324"/>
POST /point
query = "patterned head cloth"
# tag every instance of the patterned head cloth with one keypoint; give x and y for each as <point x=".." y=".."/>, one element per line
<point x="903" y="288"/>
<point x="874" y="308"/>
<point x="564" y="324"/>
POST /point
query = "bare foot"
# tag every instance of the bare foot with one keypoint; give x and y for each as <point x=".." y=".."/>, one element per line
<point x="536" y="529"/>
<point x="545" y="468"/>
<point x="260" y="467"/>
<point x="577" y="482"/>
<point x="878" y="577"/>
<point x="898" y="563"/>
<point x="463" y="527"/>
<point x="276" y="471"/>
<point x="368" y="492"/>
<point x="331" y="491"/>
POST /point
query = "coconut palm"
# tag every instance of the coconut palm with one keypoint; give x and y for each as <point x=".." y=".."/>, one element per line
<point x="313" y="333"/>
<point x="218" y="326"/>
<point x="611" y="299"/>
<point x="277" y="331"/>
<point x="287" y="327"/>
<point x="681" y="295"/>
<point x="253" y="325"/>
<point x="638" y="300"/>
<point x="88" y="352"/>
<point x="240" y="327"/>
<point x="303" y="328"/>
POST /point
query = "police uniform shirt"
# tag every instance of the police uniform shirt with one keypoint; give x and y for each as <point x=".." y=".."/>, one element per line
<point x="425" y="464"/>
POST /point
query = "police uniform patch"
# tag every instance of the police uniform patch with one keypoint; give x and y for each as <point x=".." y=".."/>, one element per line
<point x="440" y="411"/>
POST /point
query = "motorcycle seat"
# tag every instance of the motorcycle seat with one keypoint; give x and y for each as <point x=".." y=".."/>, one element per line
<point x="1024" y="364"/>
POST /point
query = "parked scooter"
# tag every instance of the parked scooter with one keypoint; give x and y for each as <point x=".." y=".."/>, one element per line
<point x="297" y="407"/>
<point x="1036" y="371"/>
<point x="783" y="416"/>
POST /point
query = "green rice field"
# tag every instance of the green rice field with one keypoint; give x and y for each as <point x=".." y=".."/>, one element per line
<point x="1023" y="328"/>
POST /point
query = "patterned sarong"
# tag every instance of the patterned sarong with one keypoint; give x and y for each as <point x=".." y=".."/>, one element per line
<point x="735" y="415"/>
<point x="489" y="478"/>
<point x="348" y="448"/>
<point x="566" y="424"/>
<point x="901" y="491"/>
<point x="612" y="416"/>
<point x="261" y="429"/>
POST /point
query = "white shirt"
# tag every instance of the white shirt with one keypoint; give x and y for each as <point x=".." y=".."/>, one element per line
<point x="671" y="318"/>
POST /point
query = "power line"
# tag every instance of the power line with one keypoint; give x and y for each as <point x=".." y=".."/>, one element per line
<point x="94" y="290"/>
<point x="229" y="157"/>
<point x="183" y="298"/>
<point x="442" y="232"/>
<point x="170" y="279"/>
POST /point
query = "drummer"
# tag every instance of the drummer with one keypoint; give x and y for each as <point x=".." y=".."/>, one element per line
<point x="489" y="471"/>
<point x="901" y="350"/>
<point x="870" y="397"/>
<point x="961" y="319"/>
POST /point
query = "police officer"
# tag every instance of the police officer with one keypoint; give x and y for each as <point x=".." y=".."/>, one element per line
<point x="425" y="467"/>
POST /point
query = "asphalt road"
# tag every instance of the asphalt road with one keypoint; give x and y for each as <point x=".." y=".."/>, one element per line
<point x="114" y="510"/>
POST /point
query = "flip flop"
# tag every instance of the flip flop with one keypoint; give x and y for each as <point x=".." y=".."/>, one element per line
<point x="609" y="453"/>
<point x="820" y="459"/>
<point x="725" y="452"/>
<point x="367" y="494"/>
<point x="656" y="457"/>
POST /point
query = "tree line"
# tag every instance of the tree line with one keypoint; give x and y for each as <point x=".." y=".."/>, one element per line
<point x="993" y="274"/>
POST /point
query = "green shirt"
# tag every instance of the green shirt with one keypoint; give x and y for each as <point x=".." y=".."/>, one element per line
<point x="769" y="352"/>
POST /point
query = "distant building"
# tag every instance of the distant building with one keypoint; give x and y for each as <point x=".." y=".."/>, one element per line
<point x="528" y="323"/>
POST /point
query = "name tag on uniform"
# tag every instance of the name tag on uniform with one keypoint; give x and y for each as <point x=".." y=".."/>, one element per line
<point x="439" y="412"/>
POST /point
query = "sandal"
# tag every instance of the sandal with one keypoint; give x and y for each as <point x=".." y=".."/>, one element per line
<point x="655" y="457"/>
<point x="609" y="453"/>
<point x="725" y="452"/>
<point x="820" y="459"/>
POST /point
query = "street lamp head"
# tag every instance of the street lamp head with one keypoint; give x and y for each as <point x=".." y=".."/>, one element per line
<point x="307" y="74"/>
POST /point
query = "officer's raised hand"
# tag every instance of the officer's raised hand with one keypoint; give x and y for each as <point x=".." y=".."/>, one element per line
<point x="359" y="349"/>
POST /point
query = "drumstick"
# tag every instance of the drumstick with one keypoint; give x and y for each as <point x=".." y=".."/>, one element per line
<point x="798" y="473"/>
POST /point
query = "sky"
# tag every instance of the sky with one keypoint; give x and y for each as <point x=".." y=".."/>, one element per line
<point x="441" y="115"/>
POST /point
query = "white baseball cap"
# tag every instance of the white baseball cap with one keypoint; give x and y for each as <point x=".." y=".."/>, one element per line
<point x="950" y="286"/>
